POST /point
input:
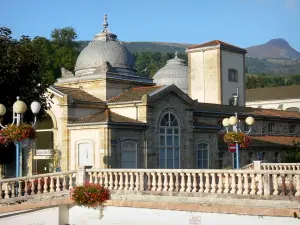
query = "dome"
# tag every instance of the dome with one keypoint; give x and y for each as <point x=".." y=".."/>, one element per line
<point x="104" y="53"/>
<point x="174" y="72"/>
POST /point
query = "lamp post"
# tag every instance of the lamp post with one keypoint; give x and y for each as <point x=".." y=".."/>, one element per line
<point x="235" y="123"/>
<point x="19" y="108"/>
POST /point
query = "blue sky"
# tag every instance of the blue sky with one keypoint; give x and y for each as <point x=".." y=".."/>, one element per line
<point x="239" y="22"/>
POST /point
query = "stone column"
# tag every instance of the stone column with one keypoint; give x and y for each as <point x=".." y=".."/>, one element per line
<point x="257" y="165"/>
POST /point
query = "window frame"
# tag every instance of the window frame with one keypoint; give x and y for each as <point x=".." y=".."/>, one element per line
<point x="208" y="158"/>
<point x="163" y="135"/>
<point x="271" y="128"/>
<point x="292" y="131"/>
<point x="136" y="153"/>
<point x="235" y="75"/>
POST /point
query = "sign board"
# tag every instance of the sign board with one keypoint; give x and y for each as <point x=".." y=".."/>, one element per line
<point x="85" y="154"/>
<point x="232" y="147"/>
<point x="43" y="152"/>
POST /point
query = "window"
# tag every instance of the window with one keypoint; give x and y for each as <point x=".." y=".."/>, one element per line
<point x="246" y="127"/>
<point x="261" y="156"/>
<point x="250" y="157"/>
<point x="169" y="142"/>
<point x="202" y="158"/>
<point x="231" y="101"/>
<point x="271" y="128"/>
<point x="233" y="75"/>
<point x="292" y="128"/>
<point x="221" y="159"/>
<point x="276" y="157"/>
<point x="129" y="154"/>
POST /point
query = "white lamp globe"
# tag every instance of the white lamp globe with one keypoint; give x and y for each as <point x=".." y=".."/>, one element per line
<point x="2" y="110"/>
<point x="233" y="120"/>
<point x="35" y="107"/>
<point x="225" y="122"/>
<point x="19" y="106"/>
<point x="249" y="120"/>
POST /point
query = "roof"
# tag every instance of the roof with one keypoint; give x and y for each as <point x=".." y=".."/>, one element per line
<point x="105" y="116"/>
<point x="78" y="94"/>
<point x="226" y="109"/>
<point x="134" y="94"/>
<point x="272" y="93"/>
<point x="223" y="45"/>
<point x="264" y="141"/>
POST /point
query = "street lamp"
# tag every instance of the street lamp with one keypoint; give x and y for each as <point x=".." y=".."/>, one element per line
<point x="235" y="123"/>
<point x="19" y="108"/>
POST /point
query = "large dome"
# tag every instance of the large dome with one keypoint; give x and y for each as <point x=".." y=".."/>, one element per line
<point x="104" y="53"/>
<point x="174" y="72"/>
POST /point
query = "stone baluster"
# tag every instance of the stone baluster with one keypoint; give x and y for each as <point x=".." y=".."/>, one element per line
<point x="91" y="177"/>
<point x="275" y="185"/>
<point x="195" y="186"/>
<point x="240" y="185"/>
<point x="213" y="183"/>
<point x="1" y="190"/>
<point x="207" y="183"/>
<point x="101" y="178"/>
<point x="149" y="181"/>
<point x="57" y="189"/>
<point x="253" y="184"/>
<point x="137" y="181"/>
<point x="260" y="185"/>
<point x="189" y="183"/>
<point x="171" y="183"/>
<point x="116" y="177"/>
<point x="6" y="192"/>
<point x="19" y="189"/>
<point x="13" y="189"/>
<point x="111" y="181"/>
<point x="142" y="181"/>
<point x="126" y="181"/>
<point x="226" y="185"/>
<point x="201" y="186"/>
<point x="291" y="186"/>
<point x="233" y="184"/>
<point x="39" y="187"/>
<point x="32" y="187"/>
<point x="70" y="182"/>
<point x="26" y="187"/>
<point x="297" y="185"/>
<point x="51" y="184"/>
<point x="105" y="179"/>
<point x="64" y="183"/>
<point x="131" y="187"/>
<point x="159" y="183"/>
<point x="121" y="181"/>
<point x="220" y="183"/>
<point x="177" y="182"/>
<point x="153" y="181"/>
<point x="182" y="184"/>
<point x="246" y="184"/>
<point x="165" y="182"/>
<point x="283" y="185"/>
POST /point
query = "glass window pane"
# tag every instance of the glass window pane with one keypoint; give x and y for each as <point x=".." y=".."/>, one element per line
<point x="166" y="117"/>
<point x="162" y="153"/>
<point x="205" y="164"/>
<point x="176" y="140"/>
<point x="205" y="154"/>
<point x="170" y="140"/>
<point x="170" y="164"/>
<point x="44" y="140"/>
<point x="162" y="131"/>
<point x="176" y="162"/>
<point x="200" y="166"/>
<point x="176" y="131"/>
<point x="169" y="131"/>
<point x="128" y="156"/>
<point x="170" y="153"/>
<point x="175" y="123"/>
<point x="162" y="141"/>
<point x="162" y="163"/>
<point x="163" y="122"/>
<point x="128" y="165"/>
<point x="176" y="152"/>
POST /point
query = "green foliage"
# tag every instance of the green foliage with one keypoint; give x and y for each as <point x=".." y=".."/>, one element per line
<point x="292" y="154"/>
<point x="263" y="80"/>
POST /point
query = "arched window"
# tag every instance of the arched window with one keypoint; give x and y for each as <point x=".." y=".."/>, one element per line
<point x="169" y="144"/>
<point x="129" y="154"/>
<point x="202" y="157"/>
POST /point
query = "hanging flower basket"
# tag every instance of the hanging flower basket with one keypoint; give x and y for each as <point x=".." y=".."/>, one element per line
<point x="14" y="133"/>
<point x="240" y="138"/>
<point x="91" y="196"/>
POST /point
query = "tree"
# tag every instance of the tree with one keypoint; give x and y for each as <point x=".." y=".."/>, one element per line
<point x="292" y="154"/>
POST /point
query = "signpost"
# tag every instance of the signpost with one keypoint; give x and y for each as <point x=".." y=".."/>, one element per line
<point x="232" y="147"/>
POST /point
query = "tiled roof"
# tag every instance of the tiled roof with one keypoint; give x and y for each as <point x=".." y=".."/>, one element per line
<point x="217" y="42"/>
<point x="134" y="94"/>
<point x="78" y="94"/>
<point x="264" y="141"/>
<point x="105" y="116"/>
<point x="246" y="110"/>
<point x="273" y="93"/>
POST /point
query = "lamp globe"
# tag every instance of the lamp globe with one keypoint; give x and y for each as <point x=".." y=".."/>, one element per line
<point x="2" y="110"/>
<point x="250" y="120"/>
<point x="35" y="107"/>
<point x="19" y="106"/>
<point x="225" y="122"/>
<point x="233" y="120"/>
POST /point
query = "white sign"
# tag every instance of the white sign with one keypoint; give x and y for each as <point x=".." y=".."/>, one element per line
<point x="85" y="154"/>
<point x="43" y="152"/>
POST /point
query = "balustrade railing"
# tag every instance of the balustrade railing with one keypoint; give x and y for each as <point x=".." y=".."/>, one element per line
<point x="240" y="182"/>
<point x="37" y="184"/>
<point x="280" y="166"/>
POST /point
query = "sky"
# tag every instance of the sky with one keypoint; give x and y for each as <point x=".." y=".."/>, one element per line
<point x="239" y="22"/>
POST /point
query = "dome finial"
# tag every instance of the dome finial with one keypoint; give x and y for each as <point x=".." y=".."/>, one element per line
<point x="105" y="24"/>
<point x="176" y="55"/>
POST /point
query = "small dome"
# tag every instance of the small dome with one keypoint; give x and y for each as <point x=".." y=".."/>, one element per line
<point x="174" y="72"/>
<point x="104" y="53"/>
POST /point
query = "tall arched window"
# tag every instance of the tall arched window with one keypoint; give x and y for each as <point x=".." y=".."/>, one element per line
<point x="129" y="154"/>
<point x="169" y="144"/>
<point x="202" y="156"/>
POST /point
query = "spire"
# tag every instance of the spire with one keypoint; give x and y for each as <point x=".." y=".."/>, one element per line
<point x="176" y="55"/>
<point x="105" y="24"/>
